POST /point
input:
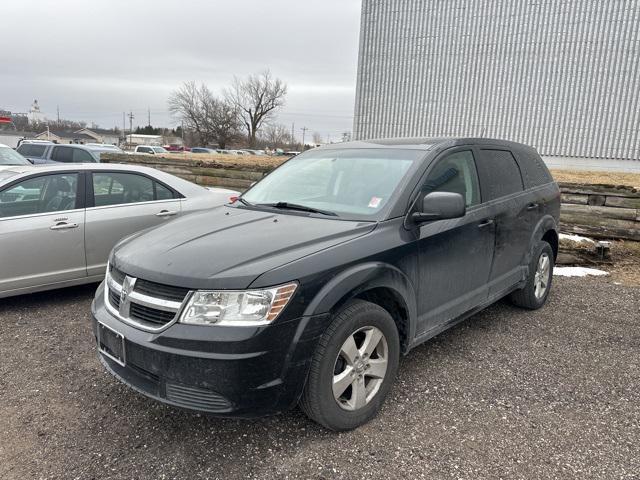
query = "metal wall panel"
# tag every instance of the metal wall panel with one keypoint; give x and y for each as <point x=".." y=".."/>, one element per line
<point x="560" y="75"/>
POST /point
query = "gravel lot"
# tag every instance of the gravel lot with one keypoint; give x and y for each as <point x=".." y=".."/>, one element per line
<point x="506" y="394"/>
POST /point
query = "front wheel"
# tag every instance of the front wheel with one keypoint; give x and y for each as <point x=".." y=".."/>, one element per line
<point x="353" y="367"/>
<point x="535" y="292"/>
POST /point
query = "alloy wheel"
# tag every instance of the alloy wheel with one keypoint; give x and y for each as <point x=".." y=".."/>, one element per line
<point x="542" y="276"/>
<point x="360" y="368"/>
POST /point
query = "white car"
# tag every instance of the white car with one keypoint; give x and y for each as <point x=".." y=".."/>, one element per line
<point x="150" y="149"/>
<point x="8" y="156"/>
<point x="59" y="222"/>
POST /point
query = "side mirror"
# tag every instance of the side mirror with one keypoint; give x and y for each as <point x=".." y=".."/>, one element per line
<point x="440" y="206"/>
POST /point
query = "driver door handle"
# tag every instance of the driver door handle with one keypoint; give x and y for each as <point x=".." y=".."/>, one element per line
<point x="532" y="206"/>
<point x="63" y="226"/>
<point x="166" y="213"/>
<point x="486" y="223"/>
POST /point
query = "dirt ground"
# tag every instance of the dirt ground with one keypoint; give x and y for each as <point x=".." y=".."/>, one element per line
<point x="602" y="178"/>
<point x="623" y="265"/>
<point x="509" y="393"/>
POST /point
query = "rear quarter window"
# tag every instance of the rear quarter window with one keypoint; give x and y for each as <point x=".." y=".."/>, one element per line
<point x="534" y="171"/>
<point x="499" y="174"/>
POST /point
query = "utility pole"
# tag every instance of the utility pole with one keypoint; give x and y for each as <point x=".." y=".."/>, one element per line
<point x="58" y="112"/>
<point x="149" y="113"/>
<point x="304" y="131"/>
<point x="293" y="139"/>
<point x="131" y="117"/>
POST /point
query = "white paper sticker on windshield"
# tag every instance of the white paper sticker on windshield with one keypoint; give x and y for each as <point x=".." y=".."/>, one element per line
<point x="375" y="202"/>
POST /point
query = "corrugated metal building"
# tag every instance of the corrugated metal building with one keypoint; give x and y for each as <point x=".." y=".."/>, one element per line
<point x="560" y="75"/>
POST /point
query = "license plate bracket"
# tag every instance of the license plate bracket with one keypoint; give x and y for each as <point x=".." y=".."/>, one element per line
<point x="111" y="344"/>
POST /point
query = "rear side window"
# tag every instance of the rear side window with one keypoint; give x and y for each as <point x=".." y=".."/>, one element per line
<point x="80" y="156"/>
<point x="32" y="150"/>
<point x="62" y="154"/>
<point x="499" y="174"/>
<point x="115" y="188"/>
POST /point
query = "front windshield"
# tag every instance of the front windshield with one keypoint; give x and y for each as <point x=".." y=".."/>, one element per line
<point x="159" y="150"/>
<point x="10" y="157"/>
<point x="354" y="184"/>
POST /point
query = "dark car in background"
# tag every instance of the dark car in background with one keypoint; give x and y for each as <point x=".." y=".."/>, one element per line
<point x="312" y="284"/>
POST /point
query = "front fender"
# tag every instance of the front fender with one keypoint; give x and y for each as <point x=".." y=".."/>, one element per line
<point x="361" y="278"/>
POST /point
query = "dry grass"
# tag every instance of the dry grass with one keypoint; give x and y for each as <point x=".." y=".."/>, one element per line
<point x="601" y="178"/>
<point x="246" y="161"/>
<point x="626" y="262"/>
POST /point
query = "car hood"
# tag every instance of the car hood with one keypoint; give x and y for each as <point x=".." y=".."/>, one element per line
<point x="228" y="247"/>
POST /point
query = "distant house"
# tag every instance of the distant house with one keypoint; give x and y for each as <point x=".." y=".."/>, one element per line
<point x="102" y="135"/>
<point x="61" y="136"/>
<point x="82" y="136"/>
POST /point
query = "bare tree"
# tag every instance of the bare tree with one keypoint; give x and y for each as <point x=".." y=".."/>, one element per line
<point x="185" y="103"/>
<point x="256" y="98"/>
<point x="276" y="135"/>
<point x="211" y="118"/>
<point x="222" y="119"/>
<point x="317" y="138"/>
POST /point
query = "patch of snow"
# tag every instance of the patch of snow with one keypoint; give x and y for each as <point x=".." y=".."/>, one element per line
<point x="578" y="272"/>
<point x="575" y="238"/>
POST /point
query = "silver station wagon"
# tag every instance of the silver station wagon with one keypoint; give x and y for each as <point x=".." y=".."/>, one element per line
<point x="58" y="223"/>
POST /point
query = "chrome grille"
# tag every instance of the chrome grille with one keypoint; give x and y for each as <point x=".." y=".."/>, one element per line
<point x="146" y="305"/>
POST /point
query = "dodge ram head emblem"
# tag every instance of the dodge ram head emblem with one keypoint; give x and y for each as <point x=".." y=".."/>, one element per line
<point x="127" y="288"/>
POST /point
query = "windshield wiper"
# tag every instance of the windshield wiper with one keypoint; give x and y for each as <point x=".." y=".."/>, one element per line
<point x="295" y="206"/>
<point x="244" y="202"/>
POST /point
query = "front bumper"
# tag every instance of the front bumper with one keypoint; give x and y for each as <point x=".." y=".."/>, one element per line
<point x="227" y="371"/>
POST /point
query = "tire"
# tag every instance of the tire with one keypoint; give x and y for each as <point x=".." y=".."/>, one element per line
<point x="530" y="296"/>
<point x="359" y="322"/>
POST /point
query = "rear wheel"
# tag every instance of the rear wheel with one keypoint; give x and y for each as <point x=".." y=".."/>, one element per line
<point x="535" y="292"/>
<point x="353" y="368"/>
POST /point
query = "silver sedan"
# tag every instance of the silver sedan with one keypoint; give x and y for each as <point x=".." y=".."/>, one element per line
<point x="58" y="223"/>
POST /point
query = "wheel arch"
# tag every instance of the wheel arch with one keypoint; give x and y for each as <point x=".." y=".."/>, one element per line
<point x="379" y="283"/>
<point x="547" y="230"/>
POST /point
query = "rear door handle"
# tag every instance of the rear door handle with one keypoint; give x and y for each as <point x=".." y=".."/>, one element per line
<point x="533" y="206"/>
<point x="166" y="213"/>
<point x="486" y="223"/>
<point x="63" y="226"/>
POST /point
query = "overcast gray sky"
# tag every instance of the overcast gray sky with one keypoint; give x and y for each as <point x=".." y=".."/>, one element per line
<point x="98" y="58"/>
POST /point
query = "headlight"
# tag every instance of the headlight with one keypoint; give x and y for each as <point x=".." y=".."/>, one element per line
<point x="241" y="307"/>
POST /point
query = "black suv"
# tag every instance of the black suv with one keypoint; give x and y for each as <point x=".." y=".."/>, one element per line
<point x="308" y="288"/>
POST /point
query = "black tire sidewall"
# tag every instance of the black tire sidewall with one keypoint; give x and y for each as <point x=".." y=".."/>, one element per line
<point x="370" y="315"/>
